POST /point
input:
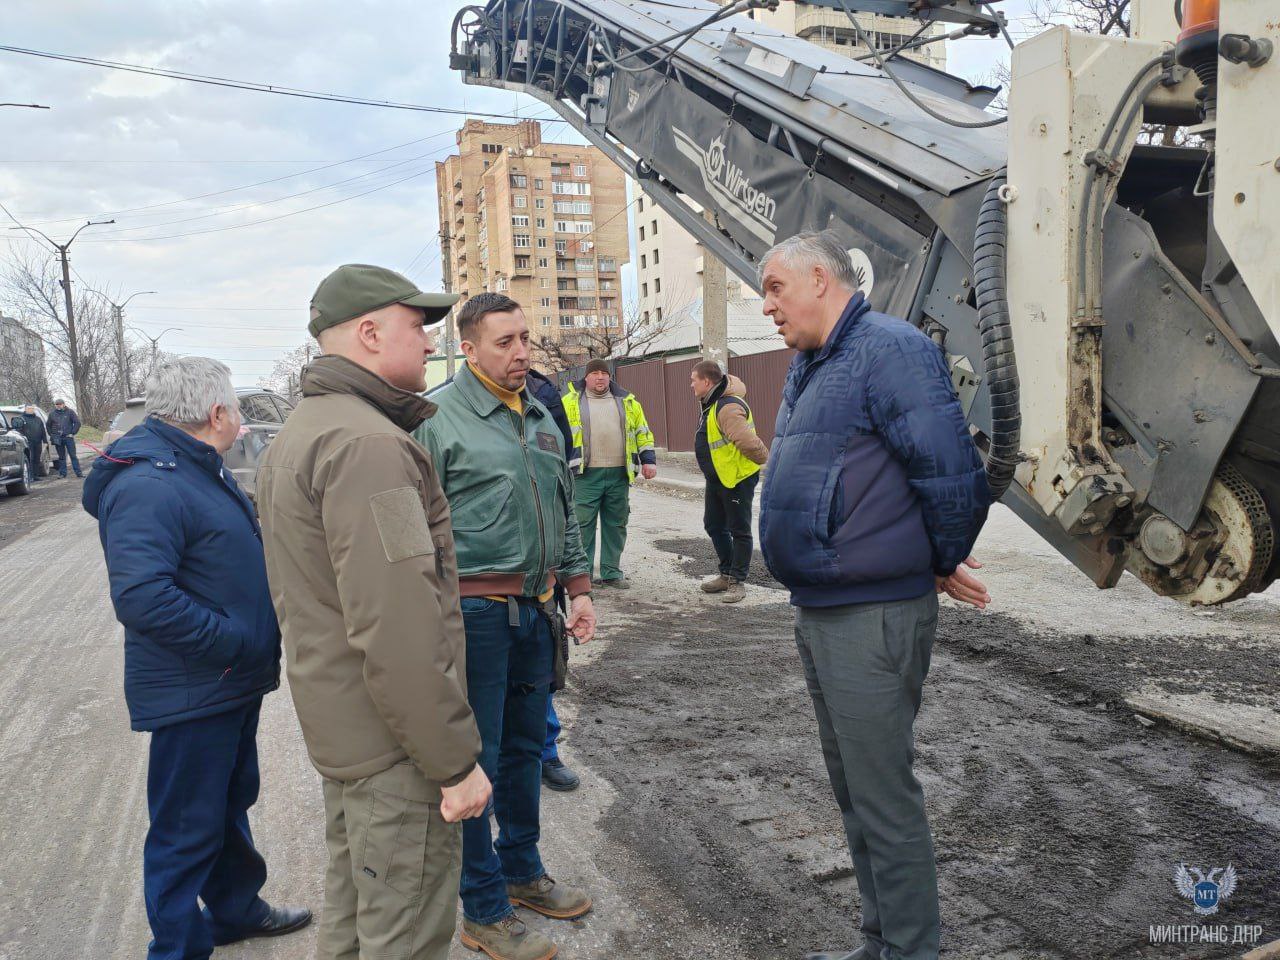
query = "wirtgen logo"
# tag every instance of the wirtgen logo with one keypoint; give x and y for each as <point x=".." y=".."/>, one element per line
<point x="749" y="205"/>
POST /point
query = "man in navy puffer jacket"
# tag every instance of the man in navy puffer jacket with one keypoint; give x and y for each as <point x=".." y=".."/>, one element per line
<point x="202" y="646"/>
<point x="874" y="496"/>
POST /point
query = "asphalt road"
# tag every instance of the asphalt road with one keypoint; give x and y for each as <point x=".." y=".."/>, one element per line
<point x="704" y="825"/>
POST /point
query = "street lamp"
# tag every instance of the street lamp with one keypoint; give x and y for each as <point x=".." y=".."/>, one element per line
<point x="73" y="343"/>
<point x="122" y="355"/>
<point x="155" y="341"/>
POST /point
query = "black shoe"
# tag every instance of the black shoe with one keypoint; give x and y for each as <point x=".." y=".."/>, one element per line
<point x="860" y="954"/>
<point x="559" y="777"/>
<point x="278" y="922"/>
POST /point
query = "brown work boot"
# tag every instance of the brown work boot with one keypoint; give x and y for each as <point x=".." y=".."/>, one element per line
<point x="734" y="592"/>
<point x="717" y="584"/>
<point x="550" y="899"/>
<point x="508" y="939"/>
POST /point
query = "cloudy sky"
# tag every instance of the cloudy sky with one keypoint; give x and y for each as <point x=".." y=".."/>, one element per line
<point x="198" y="157"/>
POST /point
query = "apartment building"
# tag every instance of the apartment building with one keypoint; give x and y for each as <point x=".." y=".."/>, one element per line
<point x="668" y="259"/>
<point x="544" y="223"/>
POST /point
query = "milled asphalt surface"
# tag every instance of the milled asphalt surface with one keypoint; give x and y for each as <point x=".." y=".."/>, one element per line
<point x="705" y="825"/>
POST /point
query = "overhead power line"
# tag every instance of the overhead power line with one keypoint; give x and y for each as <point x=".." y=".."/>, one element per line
<point x="252" y="86"/>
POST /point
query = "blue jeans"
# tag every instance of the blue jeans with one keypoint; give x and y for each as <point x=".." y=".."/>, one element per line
<point x="549" y="750"/>
<point x="508" y="676"/>
<point x="66" y="447"/>
<point x="201" y="781"/>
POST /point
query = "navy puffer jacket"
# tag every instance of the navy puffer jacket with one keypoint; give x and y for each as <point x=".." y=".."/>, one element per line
<point x="188" y="578"/>
<point x="874" y="484"/>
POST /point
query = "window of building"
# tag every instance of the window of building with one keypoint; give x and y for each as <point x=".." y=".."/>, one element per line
<point x="542" y="223"/>
<point x="579" y="169"/>
<point x="657" y="314"/>
<point x="654" y="225"/>
<point x="644" y="262"/>
<point x="642" y="234"/>
<point x="544" y="282"/>
<point x="546" y="321"/>
<point x="520" y="240"/>
<point x="571" y="188"/>
<point x="559" y="169"/>
<point x="519" y="200"/>
<point x="538" y="184"/>
<point x="586" y="283"/>
<point x="655" y="257"/>
<point x="657" y="285"/>
<point x="584" y="226"/>
<point x="586" y="266"/>
<point x="542" y="262"/>
<point x="562" y="226"/>
<point x="545" y="301"/>
<point x="519" y="221"/>
<point x="539" y="203"/>
<point x="644" y="289"/>
<point x="486" y="164"/>
<point x="606" y="284"/>
<point x="522" y="263"/>
<point x="562" y="246"/>
<point x="542" y="243"/>
<point x="519" y="180"/>
<point x="490" y="148"/>
<point x="640" y="205"/>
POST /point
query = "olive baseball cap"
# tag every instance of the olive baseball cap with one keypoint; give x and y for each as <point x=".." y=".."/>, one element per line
<point x="355" y="289"/>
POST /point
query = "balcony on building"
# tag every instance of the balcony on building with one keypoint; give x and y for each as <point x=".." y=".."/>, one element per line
<point x="607" y="264"/>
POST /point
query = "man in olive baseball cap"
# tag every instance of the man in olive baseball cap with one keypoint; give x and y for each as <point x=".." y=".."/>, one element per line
<point x="355" y="289"/>
<point x="361" y="563"/>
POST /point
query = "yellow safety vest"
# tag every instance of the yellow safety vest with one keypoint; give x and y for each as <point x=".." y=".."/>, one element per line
<point x="732" y="465"/>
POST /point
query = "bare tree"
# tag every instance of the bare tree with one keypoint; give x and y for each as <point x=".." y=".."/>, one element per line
<point x="31" y="290"/>
<point x="286" y="376"/>
<point x="1107" y="17"/>
<point x="634" y="334"/>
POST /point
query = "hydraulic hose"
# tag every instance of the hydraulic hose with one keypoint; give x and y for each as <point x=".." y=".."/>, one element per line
<point x="990" y="268"/>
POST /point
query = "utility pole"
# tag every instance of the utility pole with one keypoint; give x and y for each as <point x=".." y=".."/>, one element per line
<point x="122" y="354"/>
<point x="715" y="307"/>
<point x="155" y="342"/>
<point x="73" y="345"/>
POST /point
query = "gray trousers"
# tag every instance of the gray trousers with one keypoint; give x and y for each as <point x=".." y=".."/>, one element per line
<point x="865" y="666"/>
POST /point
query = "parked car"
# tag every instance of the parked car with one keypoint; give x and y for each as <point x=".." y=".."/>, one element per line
<point x="15" y="467"/>
<point x="263" y="412"/>
<point x="47" y="456"/>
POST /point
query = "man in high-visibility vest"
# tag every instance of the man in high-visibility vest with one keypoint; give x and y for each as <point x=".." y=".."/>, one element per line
<point x="730" y="455"/>
<point x="612" y="445"/>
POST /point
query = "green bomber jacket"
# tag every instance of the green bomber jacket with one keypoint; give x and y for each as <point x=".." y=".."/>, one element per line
<point x="510" y="492"/>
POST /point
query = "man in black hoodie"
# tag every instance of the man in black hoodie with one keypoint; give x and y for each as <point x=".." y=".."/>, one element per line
<point x="31" y="426"/>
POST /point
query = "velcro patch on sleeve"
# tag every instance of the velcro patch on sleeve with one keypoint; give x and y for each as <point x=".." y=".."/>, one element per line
<point x="402" y="524"/>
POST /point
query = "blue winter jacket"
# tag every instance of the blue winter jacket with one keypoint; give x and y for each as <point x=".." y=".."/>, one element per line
<point x="874" y="484"/>
<point x="187" y="574"/>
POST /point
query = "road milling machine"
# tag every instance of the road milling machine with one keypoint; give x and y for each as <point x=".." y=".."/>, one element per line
<point x="1099" y="262"/>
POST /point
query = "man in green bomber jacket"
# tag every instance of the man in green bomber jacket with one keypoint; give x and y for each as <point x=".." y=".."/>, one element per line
<point x="498" y="454"/>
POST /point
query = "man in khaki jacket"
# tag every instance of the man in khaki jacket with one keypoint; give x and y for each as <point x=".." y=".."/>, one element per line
<point x="730" y="455"/>
<point x="361" y="565"/>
